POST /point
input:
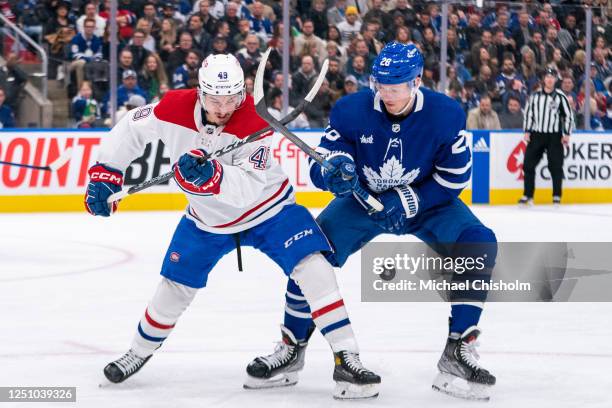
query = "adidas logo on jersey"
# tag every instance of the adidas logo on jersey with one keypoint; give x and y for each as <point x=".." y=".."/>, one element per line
<point x="367" y="140"/>
<point x="481" y="146"/>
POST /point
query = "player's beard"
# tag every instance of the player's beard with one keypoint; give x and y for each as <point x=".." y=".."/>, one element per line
<point x="218" y="118"/>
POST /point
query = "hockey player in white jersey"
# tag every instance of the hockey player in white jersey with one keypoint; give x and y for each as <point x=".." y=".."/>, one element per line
<point x="240" y="198"/>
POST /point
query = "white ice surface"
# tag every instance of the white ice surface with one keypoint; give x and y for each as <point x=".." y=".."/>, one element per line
<point x="73" y="287"/>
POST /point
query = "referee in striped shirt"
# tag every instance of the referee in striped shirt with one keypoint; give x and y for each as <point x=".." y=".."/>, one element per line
<point x="548" y="124"/>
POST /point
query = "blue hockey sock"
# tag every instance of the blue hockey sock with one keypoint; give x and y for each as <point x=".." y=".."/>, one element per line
<point x="297" y="312"/>
<point x="464" y="316"/>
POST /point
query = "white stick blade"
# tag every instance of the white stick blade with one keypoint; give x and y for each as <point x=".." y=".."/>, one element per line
<point x="60" y="161"/>
<point x="258" y="92"/>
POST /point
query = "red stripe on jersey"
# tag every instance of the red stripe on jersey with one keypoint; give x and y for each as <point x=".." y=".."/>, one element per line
<point x="327" y="308"/>
<point x="155" y="324"/>
<point x="252" y="210"/>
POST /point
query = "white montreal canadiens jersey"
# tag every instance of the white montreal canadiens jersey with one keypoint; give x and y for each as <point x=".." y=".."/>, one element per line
<point x="253" y="188"/>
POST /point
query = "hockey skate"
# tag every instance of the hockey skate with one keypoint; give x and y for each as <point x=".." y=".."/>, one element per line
<point x="279" y="369"/>
<point x="128" y="365"/>
<point x="460" y="374"/>
<point x="353" y="380"/>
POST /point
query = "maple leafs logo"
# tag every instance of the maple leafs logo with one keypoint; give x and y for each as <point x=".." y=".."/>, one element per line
<point x="392" y="174"/>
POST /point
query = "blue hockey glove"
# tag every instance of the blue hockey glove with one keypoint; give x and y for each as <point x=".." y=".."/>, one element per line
<point x="103" y="181"/>
<point x="401" y="203"/>
<point x="195" y="178"/>
<point x="343" y="180"/>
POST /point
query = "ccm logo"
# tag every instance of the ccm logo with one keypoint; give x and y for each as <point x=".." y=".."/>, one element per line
<point x="298" y="236"/>
<point x="111" y="178"/>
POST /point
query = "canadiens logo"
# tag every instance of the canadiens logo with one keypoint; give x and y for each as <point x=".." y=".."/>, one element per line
<point x="142" y="113"/>
<point x="392" y="172"/>
<point x="514" y="164"/>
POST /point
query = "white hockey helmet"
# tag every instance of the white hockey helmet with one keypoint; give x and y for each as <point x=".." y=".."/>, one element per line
<point x="220" y="74"/>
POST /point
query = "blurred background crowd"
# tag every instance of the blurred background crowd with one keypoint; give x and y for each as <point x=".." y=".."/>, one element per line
<point x="495" y="56"/>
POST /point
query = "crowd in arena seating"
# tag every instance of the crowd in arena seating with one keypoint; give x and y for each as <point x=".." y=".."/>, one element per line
<point x="495" y="55"/>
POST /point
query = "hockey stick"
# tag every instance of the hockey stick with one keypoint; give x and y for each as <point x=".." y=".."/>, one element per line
<point x="53" y="166"/>
<point x="262" y="110"/>
<point x="233" y="146"/>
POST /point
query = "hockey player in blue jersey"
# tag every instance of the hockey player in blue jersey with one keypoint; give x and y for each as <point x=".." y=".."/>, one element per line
<point x="409" y="146"/>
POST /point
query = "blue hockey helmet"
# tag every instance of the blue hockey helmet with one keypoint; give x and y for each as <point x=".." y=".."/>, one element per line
<point x="397" y="63"/>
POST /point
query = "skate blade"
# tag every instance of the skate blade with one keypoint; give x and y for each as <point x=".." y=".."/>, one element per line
<point x="280" y="380"/>
<point x="458" y="387"/>
<point x="349" y="391"/>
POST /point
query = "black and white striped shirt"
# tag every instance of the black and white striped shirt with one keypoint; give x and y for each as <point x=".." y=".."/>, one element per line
<point x="548" y="113"/>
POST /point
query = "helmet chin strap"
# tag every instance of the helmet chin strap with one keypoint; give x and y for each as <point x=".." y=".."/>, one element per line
<point x="408" y="104"/>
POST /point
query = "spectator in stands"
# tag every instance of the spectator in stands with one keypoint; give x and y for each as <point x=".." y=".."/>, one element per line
<point x="219" y="45"/>
<point x="149" y="13"/>
<point x="244" y="29"/>
<point x="169" y="11"/>
<point x="201" y="38"/>
<point x="318" y="15"/>
<point x="126" y="62"/>
<point x="91" y="11"/>
<point x="139" y="52"/>
<point x="186" y="75"/>
<point x="85" y="109"/>
<point x="376" y="12"/>
<point x="523" y="32"/>
<point x="7" y="118"/>
<point x="508" y="74"/>
<point x="260" y="24"/>
<point x="335" y="77"/>
<point x="30" y="17"/>
<point x="485" y="84"/>
<point x="318" y="110"/>
<point x="512" y="116"/>
<point x="149" y="42"/>
<point x="152" y="76"/>
<point x="125" y="19"/>
<point x="350" y="85"/>
<point x="62" y="18"/>
<point x="83" y="49"/>
<point x="567" y="86"/>
<point x="336" y="13"/>
<point x="128" y="88"/>
<point x="249" y="56"/>
<point x="539" y="49"/>
<point x="359" y="71"/>
<point x="486" y="43"/>
<point x="208" y="21"/>
<point x="483" y="117"/>
<point x="177" y="57"/>
<point x="249" y="85"/>
<point x="602" y="64"/>
<point x="308" y="36"/>
<point x="12" y="80"/>
<point x="607" y="119"/>
<point x="302" y="80"/>
<point x="167" y="38"/>
<point x="405" y="9"/>
<point x="470" y="99"/>
<point x="275" y="107"/>
<point x="232" y="18"/>
<point x="350" y="26"/>
<point x="370" y="30"/>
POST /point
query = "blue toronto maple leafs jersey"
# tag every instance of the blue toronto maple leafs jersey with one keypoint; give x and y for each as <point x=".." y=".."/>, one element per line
<point x="427" y="149"/>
